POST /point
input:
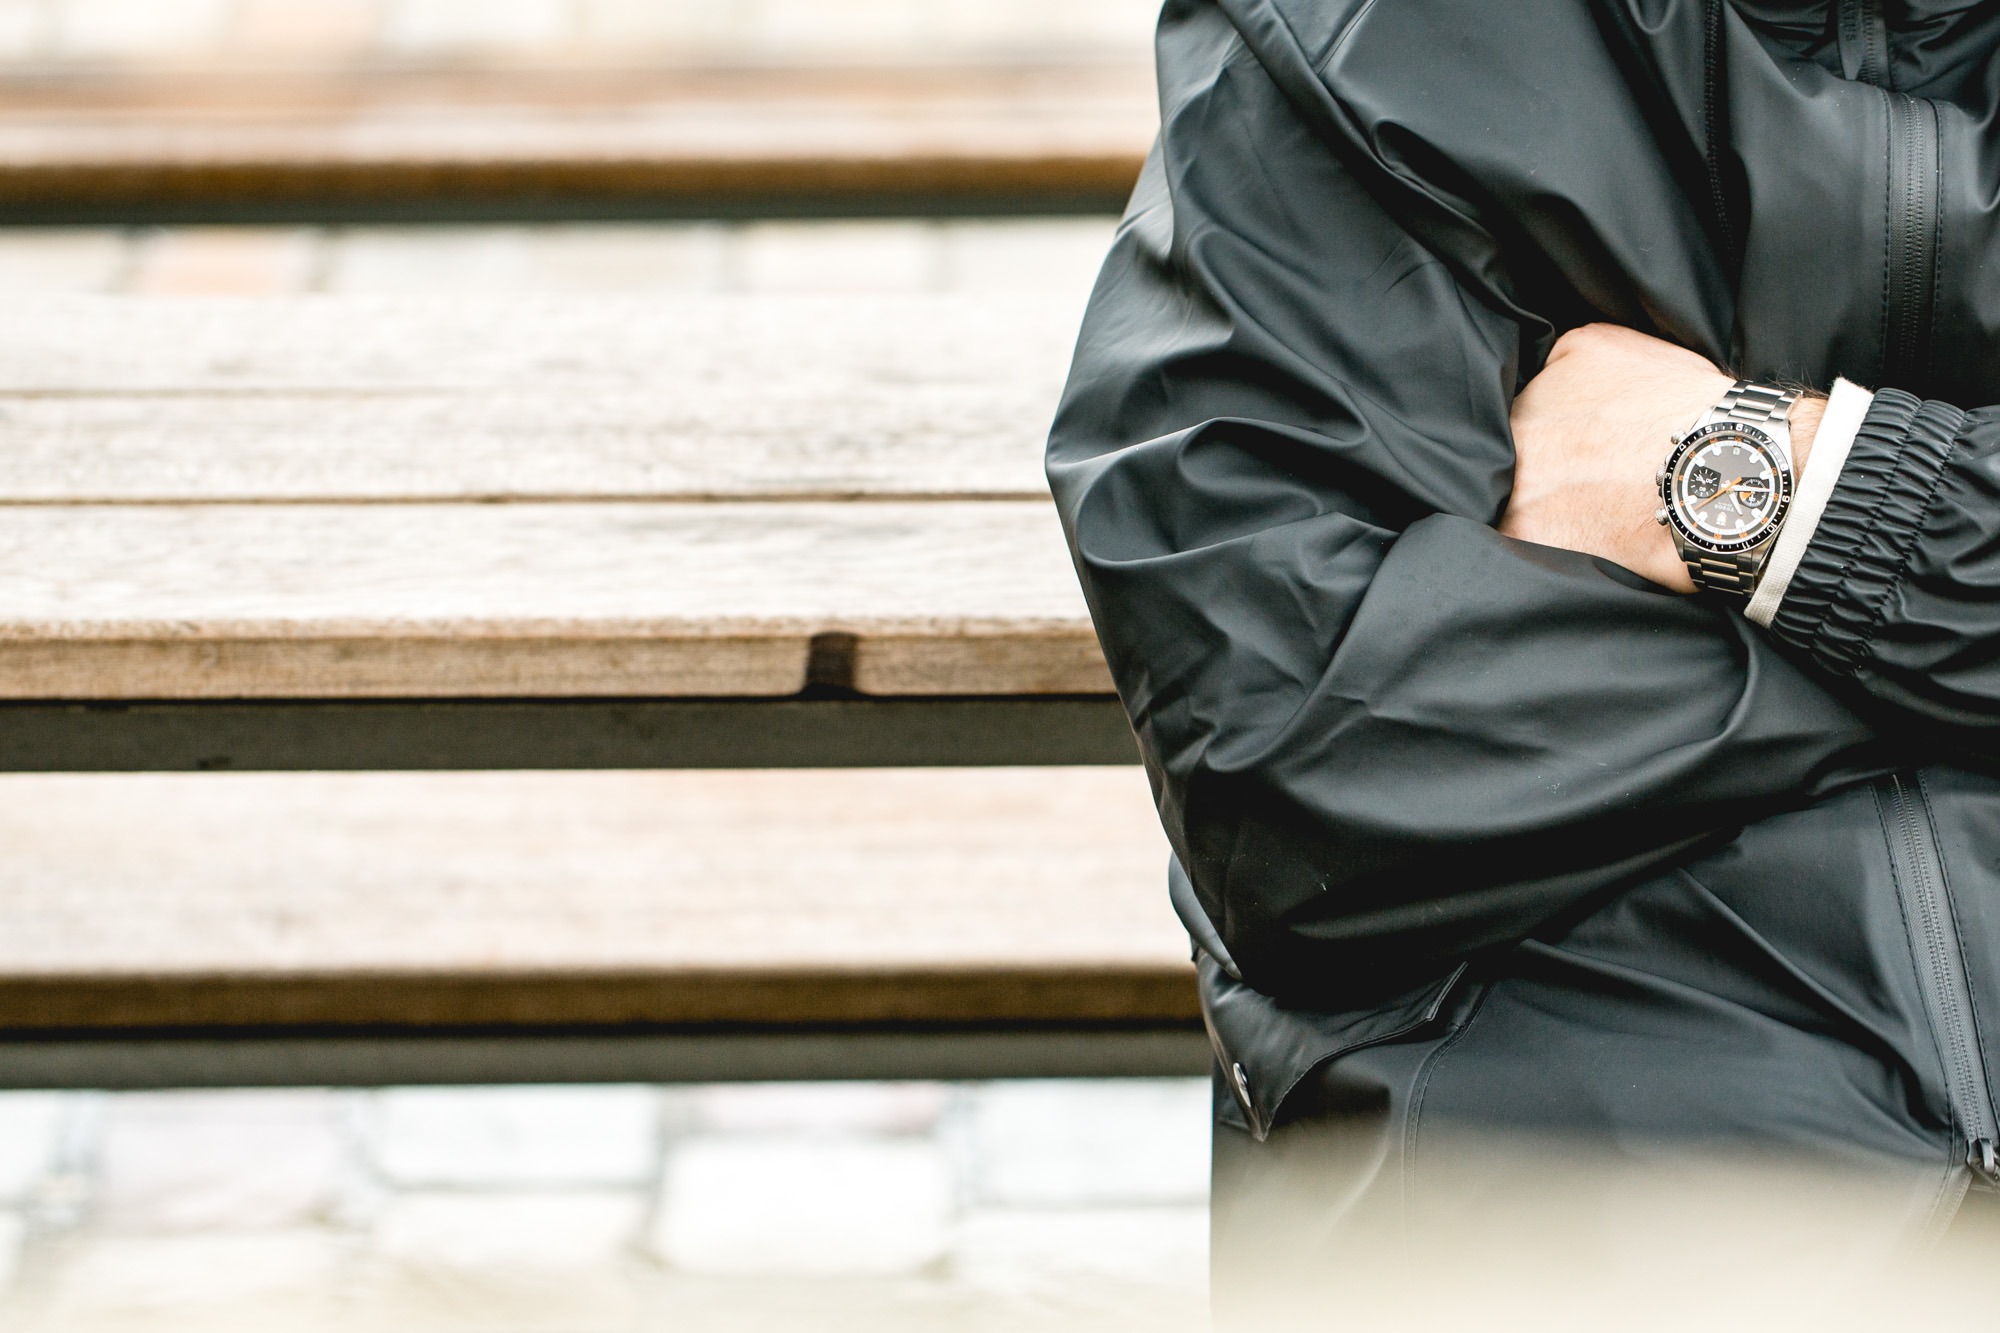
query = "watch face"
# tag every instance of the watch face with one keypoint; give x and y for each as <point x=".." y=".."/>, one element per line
<point x="1727" y="487"/>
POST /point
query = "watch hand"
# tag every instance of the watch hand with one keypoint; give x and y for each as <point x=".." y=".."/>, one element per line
<point x="1738" y="486"/>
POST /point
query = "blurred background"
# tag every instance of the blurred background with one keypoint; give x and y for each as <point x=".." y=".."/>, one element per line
<point x="279" y="150"/>
<point x="987" y="143"/>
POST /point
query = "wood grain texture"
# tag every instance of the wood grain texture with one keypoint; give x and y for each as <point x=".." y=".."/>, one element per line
<point x="196" y="498"/>
<point x="695" y="397"/>
<point x="538" y="899"/>
<point x="348" y="601"/>
<point x="968" y="130"/>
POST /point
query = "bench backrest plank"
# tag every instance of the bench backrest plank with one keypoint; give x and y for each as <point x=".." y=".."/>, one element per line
<point x="206" y="108"/>
<point x="343" y="141"/>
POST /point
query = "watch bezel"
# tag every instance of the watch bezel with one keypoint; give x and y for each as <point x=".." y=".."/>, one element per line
<point x="1694" y="440"/>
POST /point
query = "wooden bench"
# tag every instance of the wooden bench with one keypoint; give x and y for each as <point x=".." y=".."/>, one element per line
<point x="342" y="533"/>
<point x="717" y="118"/>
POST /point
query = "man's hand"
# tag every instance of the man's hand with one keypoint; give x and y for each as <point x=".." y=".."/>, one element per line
<point x="1591" y="431"/>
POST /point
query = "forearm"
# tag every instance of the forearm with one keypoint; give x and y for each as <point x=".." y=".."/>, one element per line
<point x="1805" y="420"/>
<point x="1502" y="733"/>
<point x="1886" y="571"/>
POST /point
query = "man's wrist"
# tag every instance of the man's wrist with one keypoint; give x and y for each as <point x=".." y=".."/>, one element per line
<point x="1795" y="416"/>
<point x="1804" y="421"/>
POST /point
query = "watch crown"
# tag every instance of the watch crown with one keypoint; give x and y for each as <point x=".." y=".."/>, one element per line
<point x="1660" y="517"/>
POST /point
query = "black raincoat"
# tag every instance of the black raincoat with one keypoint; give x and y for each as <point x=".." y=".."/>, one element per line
<point x="1472" y="832"/>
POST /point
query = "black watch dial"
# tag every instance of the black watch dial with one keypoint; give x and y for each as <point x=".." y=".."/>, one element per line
<point x="1727" y="487"/>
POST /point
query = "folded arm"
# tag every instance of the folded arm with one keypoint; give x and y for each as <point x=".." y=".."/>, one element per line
<point x="1382" y="734"/>
<point x="1890" y="581"/>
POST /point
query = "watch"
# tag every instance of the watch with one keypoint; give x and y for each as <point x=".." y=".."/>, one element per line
<point x="1727" y="485"/>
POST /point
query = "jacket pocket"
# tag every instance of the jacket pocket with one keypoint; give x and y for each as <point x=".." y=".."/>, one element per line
<point x="1938" y="953"/>
<point x="1264" y="1048"/>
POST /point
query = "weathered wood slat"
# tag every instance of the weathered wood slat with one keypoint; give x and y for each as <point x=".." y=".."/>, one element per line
<point x="358" y="398"/>
<point x="1060" y="134"/>
<point x="980" y="897"/>
<point x="352" y="601"/>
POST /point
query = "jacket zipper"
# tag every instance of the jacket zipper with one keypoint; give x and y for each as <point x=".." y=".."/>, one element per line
<point x="1912" y="240"/>
<point x="1715" y="127"/>
<point x="1940" y="960"/>
<point x="1863" y="38"/>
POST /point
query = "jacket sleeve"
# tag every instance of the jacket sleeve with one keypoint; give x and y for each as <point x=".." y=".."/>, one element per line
<point x="1381" y="736"/>
<point x="1899" y="589"/>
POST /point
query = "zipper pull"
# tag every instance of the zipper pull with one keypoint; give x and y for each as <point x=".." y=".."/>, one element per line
<point x="1985" y="1161"/>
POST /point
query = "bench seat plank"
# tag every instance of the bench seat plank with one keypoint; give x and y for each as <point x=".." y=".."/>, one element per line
<point x="510" y="600"/>
<point x="419" y="900"/>
<point x="365" y="398"/>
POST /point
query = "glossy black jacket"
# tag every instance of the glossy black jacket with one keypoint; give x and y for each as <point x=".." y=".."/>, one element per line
<point x="1506" y="833"/>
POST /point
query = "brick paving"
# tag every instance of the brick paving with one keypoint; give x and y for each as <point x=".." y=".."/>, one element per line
<point x="1025" y="1204"/>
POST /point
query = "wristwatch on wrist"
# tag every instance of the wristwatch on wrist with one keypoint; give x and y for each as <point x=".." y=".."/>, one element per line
<point x="1727" y="485"/>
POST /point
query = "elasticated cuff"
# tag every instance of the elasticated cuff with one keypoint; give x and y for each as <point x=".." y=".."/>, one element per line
<point x="1871" y="524"/>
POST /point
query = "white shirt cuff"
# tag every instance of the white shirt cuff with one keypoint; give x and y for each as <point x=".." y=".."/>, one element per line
<point x="1845" y="407"/>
